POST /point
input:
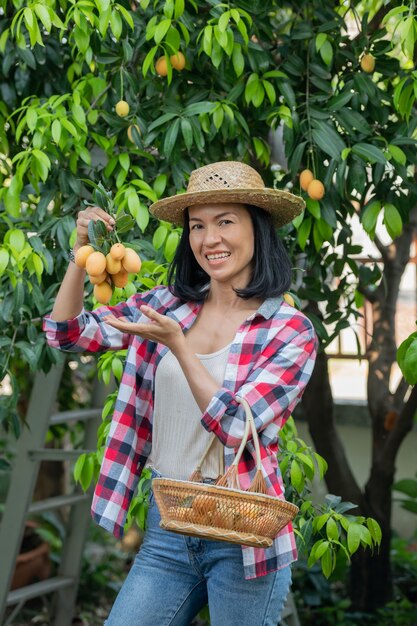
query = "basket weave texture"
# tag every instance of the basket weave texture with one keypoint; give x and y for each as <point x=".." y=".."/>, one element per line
<point x="223" y="512"/>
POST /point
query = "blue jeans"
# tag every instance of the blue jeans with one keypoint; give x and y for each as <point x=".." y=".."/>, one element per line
<point x="173" y="577"/>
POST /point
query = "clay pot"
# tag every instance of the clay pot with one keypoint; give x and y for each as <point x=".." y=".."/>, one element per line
<point x="33" y="563"/>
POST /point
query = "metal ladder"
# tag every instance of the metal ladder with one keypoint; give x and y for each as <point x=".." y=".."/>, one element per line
<point x="29" y="454"/>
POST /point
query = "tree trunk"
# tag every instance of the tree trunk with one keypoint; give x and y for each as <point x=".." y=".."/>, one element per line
<point x="318" y="405"/>
<point x="371" y="580"/>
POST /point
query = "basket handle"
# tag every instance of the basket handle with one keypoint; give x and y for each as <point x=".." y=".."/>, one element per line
<point x="249" y="425"/>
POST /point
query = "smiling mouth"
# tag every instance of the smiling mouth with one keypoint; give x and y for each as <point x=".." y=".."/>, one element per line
<point x="220" y="255"/>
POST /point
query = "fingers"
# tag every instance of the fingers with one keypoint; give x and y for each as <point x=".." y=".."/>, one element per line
<point x="151" y="313"/>
<point x="91" y="214"/>
<point x="128" y="327"/>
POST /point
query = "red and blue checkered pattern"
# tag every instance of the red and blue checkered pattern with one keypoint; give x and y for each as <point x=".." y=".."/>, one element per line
<point x="270" y="362"/>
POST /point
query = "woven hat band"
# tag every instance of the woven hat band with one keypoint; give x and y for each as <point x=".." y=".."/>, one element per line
<point x="224" y="175"/>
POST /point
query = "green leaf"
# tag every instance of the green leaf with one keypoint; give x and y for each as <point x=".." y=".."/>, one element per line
<point x="393" y="12"/>
<point x="160" y="184"/>
<point x="87" y="472"/>
<point x="171" y="245"/>
<point x="117" y="368"/>
<point x="321" y="549"/>
<point x="78" y="467"/>
<point x="142" y="220"/>
<point x="148" y="60"/>
<point x="238" y="59"/>
<point x="207" y="40"/>
<point x="179" y="8"/>
<point x="368" y="152"/>
<point x="161" y="30"/>
<point x="354" y="534"/>
<point x="159" y="236"/>
<point x="375" y="530"/>
<point x="31" y="118"/>
<point x="79" y="114"/>
<point x="392" y="221"/>
<point x="270" y="91"/>
<point x="313" y="206"/>
<point x="4" y="260"/>
<point x="38" y="264"/>
<point x="187" y="132"/>
<point x="407" y="486"/>
<point x="409" y="505"/>
<point x="199" y="107"/>
<point x="328" y="140"/>
<point x="218" y="117"/>
<point x="124" y="160"/>
<point x="171" y="137"/>
<point x="320" y="39"/>
<point x="56" y="131"/>
<point x="296" y="475"/>
<point x="397" y="154"/>
<point x="224" y="21"/>
<point x="320" y="521"/>
<point x="116" y="23"/>
<point x="43" y="14"/>
<point x="161" y="120"/>
<point x="370" y="216"/>
<point x="409" y="363"/>
<point x="339" y="101"/>
<point x="16" y="239"/>
<point x="304" y="233"/>
<point x="332" y="530"/>
<point x="327" y="562"/>
<point x="326" y="52"/>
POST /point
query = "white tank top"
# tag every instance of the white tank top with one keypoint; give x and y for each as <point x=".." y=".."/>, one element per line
<point x="178" y="437"/>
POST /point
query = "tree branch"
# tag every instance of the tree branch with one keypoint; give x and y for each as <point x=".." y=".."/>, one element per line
<point x="381" y="248"/>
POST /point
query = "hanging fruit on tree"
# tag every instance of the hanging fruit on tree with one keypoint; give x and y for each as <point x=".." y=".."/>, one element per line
<point x="107" y="261"/>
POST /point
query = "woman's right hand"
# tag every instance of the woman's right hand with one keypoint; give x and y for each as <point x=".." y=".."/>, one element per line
<point x="93" y="213"/>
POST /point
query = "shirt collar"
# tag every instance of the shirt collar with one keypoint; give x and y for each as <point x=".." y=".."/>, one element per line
<point x="269" y="307"/>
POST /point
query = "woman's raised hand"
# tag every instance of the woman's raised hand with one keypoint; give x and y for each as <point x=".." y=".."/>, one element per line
<point x="160" y="328"/>
<point x="91" y="213"/>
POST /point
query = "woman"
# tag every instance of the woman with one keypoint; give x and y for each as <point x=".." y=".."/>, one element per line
<point x="219" y="331"/>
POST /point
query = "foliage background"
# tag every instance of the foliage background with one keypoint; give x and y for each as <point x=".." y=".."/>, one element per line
<point x="259" y="77"/>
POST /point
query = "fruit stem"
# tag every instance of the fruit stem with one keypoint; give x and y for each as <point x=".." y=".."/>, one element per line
<point x="121" y="82"/>
<point x="115" y="229"/>
<point x="310" y="136"/>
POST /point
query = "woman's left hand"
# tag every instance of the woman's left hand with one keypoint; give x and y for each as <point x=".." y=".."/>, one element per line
<point x="160" y="328"/>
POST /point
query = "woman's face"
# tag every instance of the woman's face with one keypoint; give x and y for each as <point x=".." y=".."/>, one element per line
<point x="222" y="240"/>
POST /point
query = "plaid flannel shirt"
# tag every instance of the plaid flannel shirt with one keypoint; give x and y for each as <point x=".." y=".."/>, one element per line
<point x="270" y="362"/>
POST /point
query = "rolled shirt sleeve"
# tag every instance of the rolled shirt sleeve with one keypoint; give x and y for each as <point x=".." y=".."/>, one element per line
<point x="89" y="333"/>
<point x="273" y="389"/>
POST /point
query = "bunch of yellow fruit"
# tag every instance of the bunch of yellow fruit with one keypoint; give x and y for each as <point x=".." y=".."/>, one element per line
<point x="108" y="271"/>
<point x="177" y="62"/>
<point x="313" y="186"/>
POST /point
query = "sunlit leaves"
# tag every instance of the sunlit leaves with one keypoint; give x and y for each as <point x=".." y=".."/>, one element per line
<point x="392" y="220"/>
<point x="407" y="358"/>
<point x="370" y="216"/>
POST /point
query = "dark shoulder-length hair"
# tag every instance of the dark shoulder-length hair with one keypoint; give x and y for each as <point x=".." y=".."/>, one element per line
<point x="271" y="265"/>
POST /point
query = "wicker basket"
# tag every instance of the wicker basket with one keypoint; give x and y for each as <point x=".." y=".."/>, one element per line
<point x="220" y="512"/>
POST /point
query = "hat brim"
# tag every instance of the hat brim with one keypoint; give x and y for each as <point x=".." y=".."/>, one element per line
<point x="284" y="206"/>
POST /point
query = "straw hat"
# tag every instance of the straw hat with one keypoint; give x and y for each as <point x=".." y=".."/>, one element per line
<point x="229" y="181"/>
